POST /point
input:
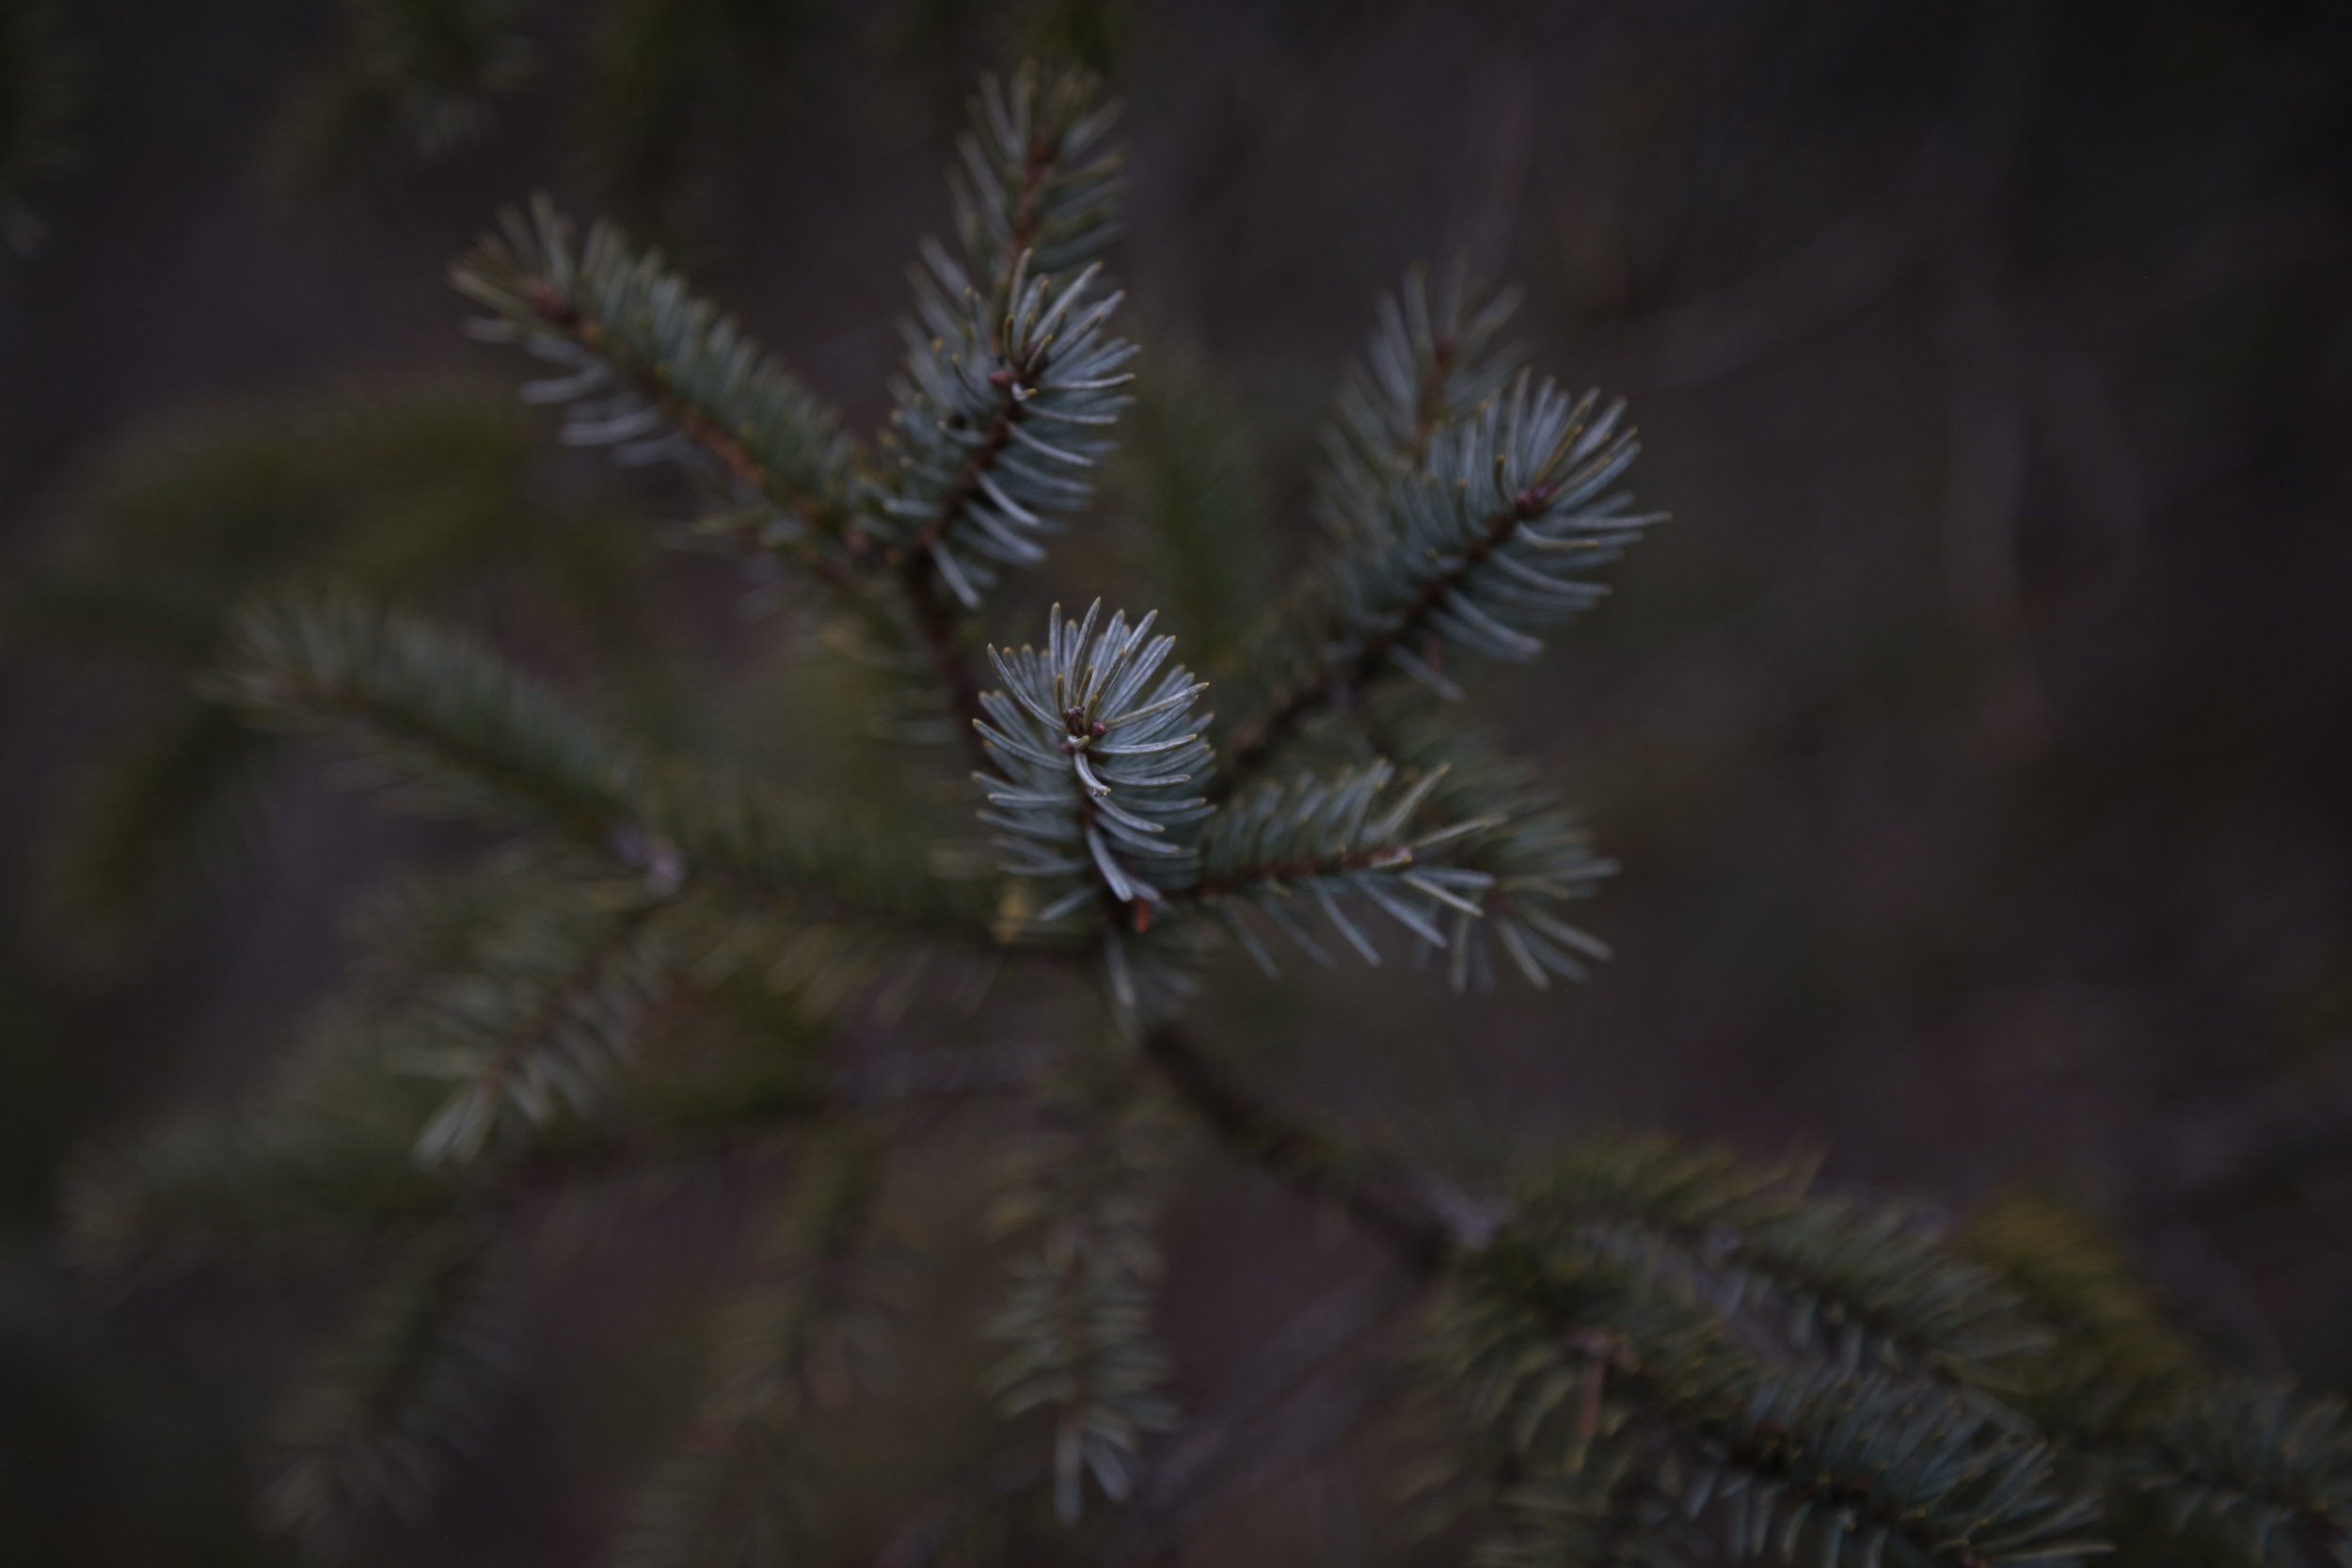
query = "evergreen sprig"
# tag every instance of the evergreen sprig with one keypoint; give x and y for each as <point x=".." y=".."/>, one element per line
<point x="655" y="373"/>
<point x="1869" y="1287"/>
<point x="448" y="721"/>
<point x="1348" y="839"/>
<point x="999" y="419"/>
<point x="1561" y="1353"/>
<point x="1488" y="538"/>
<point x="1011" y="377"/>
<point x="1594" y="1515"/>
<point x="2272" y="1467"/>
<point x="1433" y="360"/>
<point x="1038" y="176"/>
<point x="455" y="726"/>
<point x="2114" y="1364"/>
<point x="539" y="1025"/>
<point x="1099" y="763"/>
<point x="1496" y="542"/>
<point x="853" y="865"/>
<point x="404" y="1393"/>
<point x="1532" y="849"/>
<point x="1078" y="1211"/>
<point x="299" y="1182"/>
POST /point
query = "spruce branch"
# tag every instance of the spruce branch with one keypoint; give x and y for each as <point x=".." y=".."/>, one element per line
<point x="2115" y="1363"/>
<point x="1490" y="544"/>
<point x="1036" y="176"/>
<point x="1098" y="757"/>
<point x="655" y="373"/>
<point x="1560" y="1351"/>
<point x="316" y="1177"/>
<point x="1601" y="1513"/>
<point x="294" y="1182"/>
<point x="1431" y="362"/>
<point x="2271" y="1467"/>
<point x="401" y="1395"/>
<point x="540" y="1027"/>
<point x="1077" y="1211"/>
<point x="1867" y="1287"/>
<point x="150" y="824"/>
<point x="462" y="729"/>
<point x="1009" y="373"/>
<point x="1531" y="848"/>
<point x="1349" y="839"/>
<point x="854" y="865"/>
<point x="449" y="720"/>
<point x="998" y="420"/>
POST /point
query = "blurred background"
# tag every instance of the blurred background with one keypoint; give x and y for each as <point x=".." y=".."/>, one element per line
<point x="1977" y="740"/>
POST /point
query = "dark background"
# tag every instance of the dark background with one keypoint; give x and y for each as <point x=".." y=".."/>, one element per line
<point x="1975" y="739"/>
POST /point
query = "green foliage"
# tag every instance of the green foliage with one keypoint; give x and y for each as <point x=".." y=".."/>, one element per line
<point x="1038" y="176"/>
<point x="1560" y="1353"/>
<point x="1346" y="840"/>
<point x="1662" y="1337"/>
<point x="854" y="865"/>
<point x="973" y="485"/>
<point x="1010" y="372"/>
<point x="1463" y="509"/>
<point x="552" y="1007"/>
<point x="1533" y="856"/>
<point x="403" y="488"/>
<point x="1869" y="1287"/>
<point x="1077" y="1211"/>
<point x="400" y="1394"/>
<point x="1097" y="762"/>
<point x="1490" y="545"/>
<point x="1645" y="1355"/>
<point x="654" y="372"/>
<point x="2115" y="1363"/>
<point x="302" y="1179"/>
<point x="150" y="822"/>
<point x="448" y="721"/>
<point x="420" y="493"/>
<point x="1431" y="365"/>
<point x="2272" y="1467"/>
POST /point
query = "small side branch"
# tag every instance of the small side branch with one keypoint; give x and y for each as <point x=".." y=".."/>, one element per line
<point x="1257" y="738"/>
